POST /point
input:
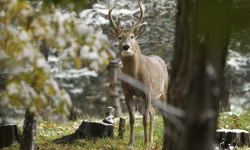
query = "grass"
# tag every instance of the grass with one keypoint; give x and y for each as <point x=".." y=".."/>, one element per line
<point x="234" y="120"/>
<point x="48" y="131"/>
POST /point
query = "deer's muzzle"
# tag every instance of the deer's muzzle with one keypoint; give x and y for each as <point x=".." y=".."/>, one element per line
<point x="125" y="47"/>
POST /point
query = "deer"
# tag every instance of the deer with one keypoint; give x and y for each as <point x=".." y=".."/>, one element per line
<point x="150" y="70"/>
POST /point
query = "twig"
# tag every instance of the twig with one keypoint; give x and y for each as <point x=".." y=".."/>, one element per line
<point x="95" y="97"/>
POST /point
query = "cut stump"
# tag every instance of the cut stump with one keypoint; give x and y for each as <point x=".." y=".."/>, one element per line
<point x="121" y="129"/>
<point x="8" y="134"/>
<point x="91" y="130"/>
<point x="234" y="137"/>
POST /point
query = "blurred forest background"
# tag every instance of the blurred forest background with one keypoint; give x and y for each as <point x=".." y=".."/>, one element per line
<point x="87" y="84"/>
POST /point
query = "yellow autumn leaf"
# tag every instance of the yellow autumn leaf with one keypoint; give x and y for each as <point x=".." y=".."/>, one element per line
<point x="42" y="142"/>
<point x="43" y="124"/>
<point x="23" y="4"/>
<point x="110" y="55"/>
<point x="78" y="62"/>
<point x="108" y="146"/>
<point x="121" y="147"/>
<point x="50" y="126"/>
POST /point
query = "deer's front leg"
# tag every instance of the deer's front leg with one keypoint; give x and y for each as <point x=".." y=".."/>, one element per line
<point x="145" y="125"/>
<point x="131" y="110"/>
<point x="147" y="103"/>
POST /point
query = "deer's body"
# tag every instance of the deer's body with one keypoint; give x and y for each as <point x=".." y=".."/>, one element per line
<point x="156" y="73"/>
<point x="150" y="70"/>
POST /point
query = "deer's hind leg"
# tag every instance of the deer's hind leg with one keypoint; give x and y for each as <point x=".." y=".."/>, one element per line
<point x="152" y="120"/>
<point x="145" y="126"/>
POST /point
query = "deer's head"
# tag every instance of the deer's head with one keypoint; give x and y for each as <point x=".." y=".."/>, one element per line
<point x="127" y="37"/>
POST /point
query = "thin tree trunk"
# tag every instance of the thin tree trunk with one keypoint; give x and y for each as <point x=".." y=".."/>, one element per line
<point x="29" y="127"/>
<point x="202" y="33"/>
<point x="29" y="131"/>
<point x="3" y="77"/>
<point x="113" y="94"/>
<point x="44" y="49"/>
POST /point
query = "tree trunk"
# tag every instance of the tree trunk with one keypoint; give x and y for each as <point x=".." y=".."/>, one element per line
<point x="113" y="94"/>
<point x="29" y="132"/>
<point x="202" y="35"/>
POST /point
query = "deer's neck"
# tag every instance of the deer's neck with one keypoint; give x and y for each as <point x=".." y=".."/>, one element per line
<point x="131" y="64"/>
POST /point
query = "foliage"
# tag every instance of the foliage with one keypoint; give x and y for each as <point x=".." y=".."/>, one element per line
<point x="48" y="131"/>
<point x="22" y="28"/>
<point x="86" y="88"/>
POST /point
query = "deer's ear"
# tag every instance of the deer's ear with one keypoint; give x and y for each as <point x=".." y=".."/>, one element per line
<point x="111" y="33"/>
<point x="139" y="30"/>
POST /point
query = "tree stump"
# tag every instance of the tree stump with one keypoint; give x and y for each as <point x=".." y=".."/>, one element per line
<point x="109" y="116"/>
<point x="234" y="137"/>
<point x="121" y="129"/>
<point x="9" y="133"/>
<point x="91" y="130"/>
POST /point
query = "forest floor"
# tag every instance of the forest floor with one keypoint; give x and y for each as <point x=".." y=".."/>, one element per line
<point x="48" y="131"/>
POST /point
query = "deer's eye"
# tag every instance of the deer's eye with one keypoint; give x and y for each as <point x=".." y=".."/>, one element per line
<point x="132" y="37"/>
<point x="120" y="38"/>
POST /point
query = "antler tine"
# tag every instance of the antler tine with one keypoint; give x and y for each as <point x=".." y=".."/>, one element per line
<point x="111" y="19"/>
<point x="119" y="19"/>
<point x="140" y="19"/>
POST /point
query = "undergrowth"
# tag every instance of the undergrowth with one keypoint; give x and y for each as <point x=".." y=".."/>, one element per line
<point x="234" y="120"/>
<point x="49" y="130"/>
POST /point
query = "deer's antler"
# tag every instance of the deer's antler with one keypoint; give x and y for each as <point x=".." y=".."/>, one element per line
<point x="140" y="19"/>
<point x="117" y="28"/>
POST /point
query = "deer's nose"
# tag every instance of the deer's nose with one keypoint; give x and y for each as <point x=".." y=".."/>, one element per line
<point x="125" y="47"/>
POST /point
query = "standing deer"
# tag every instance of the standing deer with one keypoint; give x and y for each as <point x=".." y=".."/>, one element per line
<point x="150" y="70"/>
